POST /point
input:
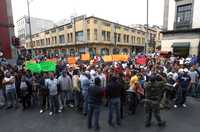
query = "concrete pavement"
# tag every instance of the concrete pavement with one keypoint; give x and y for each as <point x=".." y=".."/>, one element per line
<point x="178" y="120"/>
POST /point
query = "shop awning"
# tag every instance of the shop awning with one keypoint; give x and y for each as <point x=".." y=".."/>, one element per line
<point x="181" y="45"/>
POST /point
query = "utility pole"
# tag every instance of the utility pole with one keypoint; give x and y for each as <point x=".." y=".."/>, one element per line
<point x="147" y="30"/>
<point x="29" y="22"/>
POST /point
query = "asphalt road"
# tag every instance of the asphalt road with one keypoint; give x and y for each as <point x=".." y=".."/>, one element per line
<point x="178" y="120"/>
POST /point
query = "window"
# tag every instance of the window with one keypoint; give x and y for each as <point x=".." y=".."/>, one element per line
<point x="108" y="36"/>
<point x="37" y="42"/>
<point x="95" y="21"/>
<point x="88" y="21"/>
<point x="115" y="36"/>
<point x="124" y="38"/>
<point x="127" y="38"/>
<point x="42" y="42"/>
<point x="88" y="34"/>
<point x="95" y="34"/>
<point x="132" y="39"/>
<point x="79" y="36"/>
<point x="184" y="15"/>
<point x="54" y="40"/>
<point x="119" y="37"/>
<point x="143" y="40"/>
<point x="138" y="40"/>
<point x="104" y="35"/>
<point x="61" y="39"/>
<point x="47" y="41"/>
<point x="69" y="37"/>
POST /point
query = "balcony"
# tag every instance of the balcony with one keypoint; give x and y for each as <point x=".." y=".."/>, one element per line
<point x="183" y="25"/>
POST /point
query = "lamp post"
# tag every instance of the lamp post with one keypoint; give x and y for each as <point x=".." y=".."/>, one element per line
<point x="147" y="29"/>
<point x="29" y="23"/>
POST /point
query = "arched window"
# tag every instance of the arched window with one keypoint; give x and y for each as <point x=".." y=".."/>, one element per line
<point x="104" y="51"/>
<point x="116" y="51"/>
<point x="125" y="51"/>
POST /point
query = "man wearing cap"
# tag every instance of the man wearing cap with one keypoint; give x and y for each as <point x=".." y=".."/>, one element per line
<point x="183" y="83"/>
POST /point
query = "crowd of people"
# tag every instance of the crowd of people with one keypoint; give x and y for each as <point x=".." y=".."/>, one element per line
<point x="120" y="86"/>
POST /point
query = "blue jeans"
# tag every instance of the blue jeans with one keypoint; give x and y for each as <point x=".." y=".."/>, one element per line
<point x="11" y="97"/>
<point x="181" y="95"/>
<point x="114" y="106"/>
<point x="53" y="102"/>
<point x="76" y="96"/>
<point x="85" y="102"/>
<point x="193" y="89"/>
<point x="65" y="96"/>
<point x="93" y="110"/>
<point x="2" y="99"/>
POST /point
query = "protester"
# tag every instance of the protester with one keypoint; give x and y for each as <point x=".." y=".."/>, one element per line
<point x="76" y="89"/>
<point x="65" y="84"/>
<point x="114" y="90"/>
<point x="9" y="82"/>
<point x="43" y="93"/>
<point x="153" y="93"/>
<point x="94" y="103"/>
<point x="85" y="84"/>
<point x="25" y="93"/>
<point x="52" y="85"/>
<point x="183" y="85"/>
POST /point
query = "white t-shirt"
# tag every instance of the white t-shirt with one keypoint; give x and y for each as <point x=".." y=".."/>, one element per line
<point x="9" y="86"/>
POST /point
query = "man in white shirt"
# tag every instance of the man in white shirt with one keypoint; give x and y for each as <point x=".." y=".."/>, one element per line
<point x="9" y="83"/>
<point x="52" y="85"/>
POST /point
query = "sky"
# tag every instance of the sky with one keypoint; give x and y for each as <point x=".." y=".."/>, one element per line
<point x="125" y="12"/>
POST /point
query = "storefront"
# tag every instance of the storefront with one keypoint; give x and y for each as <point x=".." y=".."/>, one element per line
<point x="181" y="49"/>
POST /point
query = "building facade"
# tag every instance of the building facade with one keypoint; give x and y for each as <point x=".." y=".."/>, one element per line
<point x="88" y="34"/>
<point x="37" y="25"/>
<point x="6" y="29"/>
<point x="182" y="27"/>
<point x="155" y="35"/>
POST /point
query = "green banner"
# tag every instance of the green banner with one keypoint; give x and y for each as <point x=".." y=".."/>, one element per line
<point x="33" y="67"/>
<point x="46" y="66"/>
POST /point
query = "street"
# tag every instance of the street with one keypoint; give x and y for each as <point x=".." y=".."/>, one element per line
<point x="178" y="120"/>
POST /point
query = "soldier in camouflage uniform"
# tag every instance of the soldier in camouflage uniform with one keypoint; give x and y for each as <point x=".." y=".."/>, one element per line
<point x="153" y="94"/>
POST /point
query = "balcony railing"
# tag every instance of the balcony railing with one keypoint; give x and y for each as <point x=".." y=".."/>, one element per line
<point x="182" y="25"/>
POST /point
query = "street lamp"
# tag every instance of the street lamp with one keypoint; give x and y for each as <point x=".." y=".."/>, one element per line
<point x="29" y="22"/>
<point x="147" y="28"/>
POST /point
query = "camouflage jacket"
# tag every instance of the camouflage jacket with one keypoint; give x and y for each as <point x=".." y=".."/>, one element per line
<point x="153" y="91"/>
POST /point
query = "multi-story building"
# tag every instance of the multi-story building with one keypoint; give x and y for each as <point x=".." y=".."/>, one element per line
<point x="155" y="35"/>
<point x="182" y="27"/>
<point x="6" y="29"/>
<point x="88" y="34"/>
<point x="37" y="25"/>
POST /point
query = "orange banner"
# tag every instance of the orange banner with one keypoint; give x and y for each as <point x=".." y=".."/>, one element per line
<point x="116" y="57"/>
<point x="110" y="58"/>
<point x="107" y="58"/>
<point x="85" y="57"/>
<point x="71" y="60"/>
<point x="124" y="57"/>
